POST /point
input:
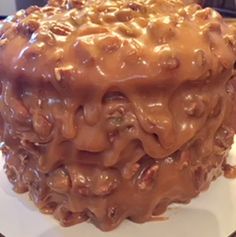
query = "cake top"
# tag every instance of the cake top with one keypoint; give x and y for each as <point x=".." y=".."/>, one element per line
<point x="116" y="40"/>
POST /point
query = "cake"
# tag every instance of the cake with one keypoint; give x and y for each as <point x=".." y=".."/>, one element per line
<point x="115" y="109"/>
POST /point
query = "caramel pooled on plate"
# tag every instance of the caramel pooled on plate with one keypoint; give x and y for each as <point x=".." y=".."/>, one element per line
<point x="115" y="109"/>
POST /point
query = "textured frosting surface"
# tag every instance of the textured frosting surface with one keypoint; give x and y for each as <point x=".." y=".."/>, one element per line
<point x="142" y="42"/>
<point x="115" y="109"/>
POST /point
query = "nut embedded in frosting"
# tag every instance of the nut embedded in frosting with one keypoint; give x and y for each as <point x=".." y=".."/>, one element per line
<point x="3" y="42"/>
<point x="107" y="106"/>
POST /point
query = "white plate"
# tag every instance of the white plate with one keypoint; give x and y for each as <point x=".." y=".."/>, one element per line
<point x="212" y="214"/>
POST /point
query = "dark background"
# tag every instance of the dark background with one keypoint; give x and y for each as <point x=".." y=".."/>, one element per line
<point x="226" y="7"/>
<point x="229" y="4"/>
<point x="26" y="3"/>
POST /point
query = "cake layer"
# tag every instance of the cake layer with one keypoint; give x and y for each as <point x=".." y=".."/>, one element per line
<point x="115" y="109"/>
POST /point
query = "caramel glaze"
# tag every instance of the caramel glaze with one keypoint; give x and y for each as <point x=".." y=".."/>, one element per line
<point x="115" y="109"/>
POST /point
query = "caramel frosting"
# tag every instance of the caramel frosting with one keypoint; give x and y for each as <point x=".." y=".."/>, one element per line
<point x="115" y="109"/>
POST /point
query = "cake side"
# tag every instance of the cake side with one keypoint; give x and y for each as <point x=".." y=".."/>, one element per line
<point x="99" y="122"/>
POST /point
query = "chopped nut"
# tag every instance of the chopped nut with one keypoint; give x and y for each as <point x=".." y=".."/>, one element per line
<point x="3" y="42"/>
<point x="78" y="19"/>
<point x="106" y="182"/>
<point x="20" y="13"/>
<point x="231" y="42"/>
<point x="77" y="4"/>
<point x="124" y="15"/>
<point x="112" y="213"/>
<point x="137" y="7"/>
<point x="48" y="9"/>
<point x="145" y="181"/>
<point x="41" y="125"/>
<point x="185" y="164"/>
<point x="200" y="58"/>
<point x="21" y="113"/>
<point x="212" y="27"/>
<point x="171" y="63"/>
<point x="182" y="12"/>
<point x="130" y="171"/>
<point x="161" y="32"/>
<point x="60" y="70"/>
<point x="59" y="181"/>
<point x="45" y="36"/>
<point x="49" y="208"/>
<point x="94" y="18"/>
<point x="166" y="59"/>
<point x="230" y="172"/>
<point x="58" y="74"/>
<point x="133" y="57"/>
<point x="142" y="21"/>
<point x="58" y="54"/>
<point x="192" y="8"/>
<point x="116" y="121"/>
<point x="28" y="26"/>
<point x="92" y="30"/>
<point x="224" y="137"/>
<point x="194" y="106"/>
<point x="184" y="159"/>
<point x="109" y="44"/>
<point x="11" y="174"/>
<point x="60" y="29"/>
<point x="107" y="8"/>
<point x="128" y="31"/>
<point x="109" y="17"/>
<point x="58" y="3"/>
<point x="169" y="160"/>
<point x="204" y="14"/>
<point x="96" y="183"/>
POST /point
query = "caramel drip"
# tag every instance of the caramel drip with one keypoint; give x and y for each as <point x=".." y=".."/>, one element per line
<point x="114" y="109"/>
<point x="230" y="171"/>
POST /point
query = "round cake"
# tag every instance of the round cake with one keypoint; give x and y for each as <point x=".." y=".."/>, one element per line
<point x="114" y="109"/>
